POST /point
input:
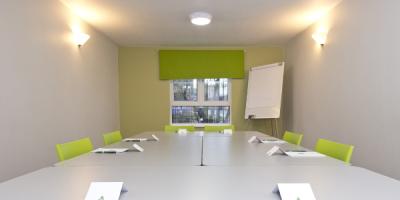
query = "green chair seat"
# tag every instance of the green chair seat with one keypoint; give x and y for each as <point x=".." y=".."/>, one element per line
<point x="336" y="150"/>
<point x="293" y="138"/>
<point x="72" y="149"/>
<point x="218" y="128"/>
<point x="113" y="137"/>
<point x="170" y="128"/>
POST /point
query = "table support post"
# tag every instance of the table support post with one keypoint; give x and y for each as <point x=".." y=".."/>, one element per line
<point x="274" y="127"/>
<point x="202" y="151"/>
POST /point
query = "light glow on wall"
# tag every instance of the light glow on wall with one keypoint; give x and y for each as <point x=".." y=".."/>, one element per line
<point x="320" y="36"/>
<point x="80" y="38"/>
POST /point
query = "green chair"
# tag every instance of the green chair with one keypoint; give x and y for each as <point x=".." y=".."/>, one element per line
<point x="218" y="128"/>
<point x="113" y="137"/>
<point x="170" y="128"/>
<point x="336" y="150"/>
<point x="72" y="149"/>
<point x="293" y="138"/>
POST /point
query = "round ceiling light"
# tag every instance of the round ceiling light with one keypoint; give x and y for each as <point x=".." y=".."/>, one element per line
<point x="200" y="18"/>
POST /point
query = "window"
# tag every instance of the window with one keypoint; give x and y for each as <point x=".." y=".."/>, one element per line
<point x="200" y="101"/>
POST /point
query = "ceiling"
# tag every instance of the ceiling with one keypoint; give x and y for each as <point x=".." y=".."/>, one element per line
<point x="166" y="22"/>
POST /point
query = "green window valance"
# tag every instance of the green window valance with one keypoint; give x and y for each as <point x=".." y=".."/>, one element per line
<point x="190" y="64"/>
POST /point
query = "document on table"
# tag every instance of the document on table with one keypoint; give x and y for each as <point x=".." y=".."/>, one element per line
<point x="137" y="147"/>
<point x="182" y="131"/>
<point x="272" y="141"/>
<point x="227" y="131"/>
<point x="135" y="139"/>
<point x="110" y="150"/>
<point x="303" y="154"/>
<point x="105" y="191"/>
<point x="199" y="133"/>
<point x="252" y="139"/>
<point x="296" y="153"/>
<point x="153" y="138"/>
<point x="295" y="191"/>
<point x="265" y="141"/>
<point x="275" y="150"/>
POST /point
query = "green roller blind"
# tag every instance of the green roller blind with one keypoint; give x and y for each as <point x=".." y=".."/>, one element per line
<point x="190" y="64"/>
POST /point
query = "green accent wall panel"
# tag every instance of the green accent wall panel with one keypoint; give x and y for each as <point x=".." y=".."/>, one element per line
<point x="190" y="64"/>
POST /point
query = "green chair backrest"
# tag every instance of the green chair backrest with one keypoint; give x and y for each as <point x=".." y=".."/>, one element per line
<point x="336" y="150"/>
<point x="293" y="138"/>
<point x="170" y="128"/>
<point x="113" y="137"/>
<point x="218" y="128"/>
<point x="72" y="149"/>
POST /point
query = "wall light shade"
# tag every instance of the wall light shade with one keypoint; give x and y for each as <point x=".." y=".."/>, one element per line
<point x="320" y="37"/>
<point x="200" y="18"/>
<point x="80" y="38"/>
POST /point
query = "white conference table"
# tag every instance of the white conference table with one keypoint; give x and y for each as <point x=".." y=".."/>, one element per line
<point x="172" y="149"/>
<point x="169" y="169"/>
<point x="186" y="150"/>
<point x="200" y="183"/>
<point x="236" y="151"/>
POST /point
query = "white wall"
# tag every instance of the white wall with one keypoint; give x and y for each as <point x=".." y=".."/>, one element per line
<point x="50" y="90"/>
<point x="349" y="90"/>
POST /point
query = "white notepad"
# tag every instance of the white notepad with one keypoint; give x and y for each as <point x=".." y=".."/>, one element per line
<point x="265" y="141"/>
<point x="110" y="150"/>
<point x="153" y="138"/>
<point x="137" y="147"/>
<point x="272" y="141"/>
<point x="182" y="131"/>
<point x="275" y="150"/>
<point x="227" y="131"/>
<point x="252" y="139"/>
<point x="135" y="139"/>
<point x="294" y="153"/>
<point x="105" y="191"/>
<point x="307" y="154"/>
<point x="294" y="191"/>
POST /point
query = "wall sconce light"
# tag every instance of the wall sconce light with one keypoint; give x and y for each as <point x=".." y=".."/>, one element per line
<point x="80" y="38"/>
<point x="320" y="37"/>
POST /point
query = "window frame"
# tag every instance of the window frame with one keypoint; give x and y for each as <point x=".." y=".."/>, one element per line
<point x="200" y="102"/>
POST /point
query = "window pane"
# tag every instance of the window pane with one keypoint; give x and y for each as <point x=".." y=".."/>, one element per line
<point x="216" y="89"/>
<point x="200" y="114"/>
<point x="185" y="90"/>
<point x="183" y="114"/>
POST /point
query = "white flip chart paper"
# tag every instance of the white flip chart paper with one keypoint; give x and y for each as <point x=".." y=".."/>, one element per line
<point x="264" y="92"/>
